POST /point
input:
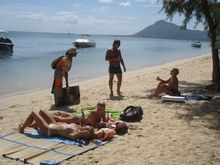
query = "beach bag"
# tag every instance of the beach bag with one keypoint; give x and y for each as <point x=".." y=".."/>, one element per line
<point x="71" y="97"/>
<point x="55" y="61"/>
<point x="132" y="114"/>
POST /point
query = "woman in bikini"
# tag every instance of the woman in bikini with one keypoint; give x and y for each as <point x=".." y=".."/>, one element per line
<point x="93" y="119"/>
<point x="49" y="127"/>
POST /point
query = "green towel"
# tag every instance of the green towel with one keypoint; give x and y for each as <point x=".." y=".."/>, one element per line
<point x="115" y="114"/>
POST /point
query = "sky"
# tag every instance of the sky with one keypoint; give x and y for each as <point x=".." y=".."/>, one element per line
<point x="110" y="17"/>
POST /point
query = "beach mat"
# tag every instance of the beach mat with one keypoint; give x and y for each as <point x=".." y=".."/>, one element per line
<point x="87" y="110"/>
<point x="31" y="150"/>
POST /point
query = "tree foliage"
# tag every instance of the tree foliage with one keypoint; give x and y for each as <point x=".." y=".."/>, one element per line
<point x="206" y="12"/>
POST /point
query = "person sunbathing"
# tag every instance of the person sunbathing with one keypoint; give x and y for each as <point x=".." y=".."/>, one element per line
<point x="44" y="122"/>
<point x="93" y="119"/>
<point x="96" y="119"/>
<point x="104" y="134"/>
<point x="170" y="86"/>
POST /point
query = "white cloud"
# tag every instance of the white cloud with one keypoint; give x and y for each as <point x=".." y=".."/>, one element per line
<point x="125" y="3"/>
<point x="106" y="1"/>
<point x="99" y="10"/>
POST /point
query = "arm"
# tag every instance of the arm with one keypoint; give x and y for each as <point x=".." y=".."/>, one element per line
<point x="122" y="62"/>
<point x="107" y="56"/>
<point x="66" y="78"/>
<point x="82" y="134"/>
<point x="161" y="80"/>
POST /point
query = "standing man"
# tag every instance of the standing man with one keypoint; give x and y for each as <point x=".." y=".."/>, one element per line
<point x="62" y="67"/>
<point x="113" y="55"/>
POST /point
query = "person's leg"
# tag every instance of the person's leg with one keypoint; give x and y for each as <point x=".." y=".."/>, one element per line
<point x="40" y="122"/>
<point x="119" y="77"/>
<point x="161" y="88"/>
<point x="28" y="122"/>
<point x="91" y="119"/>
<point x="111" y="78"/>
<point x="58" y="92"/>
<point x="47" y="117"/>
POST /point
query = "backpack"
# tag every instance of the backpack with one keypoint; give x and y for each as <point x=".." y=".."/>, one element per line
<point x="55" y="61"/>
<point x="132" y="114"/>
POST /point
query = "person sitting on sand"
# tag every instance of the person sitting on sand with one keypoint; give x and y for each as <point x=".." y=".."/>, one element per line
<point x="170" y="86"/>
<point x="44" y="122"/>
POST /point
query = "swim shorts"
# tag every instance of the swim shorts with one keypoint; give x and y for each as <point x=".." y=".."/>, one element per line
<point x="114" y="69"/>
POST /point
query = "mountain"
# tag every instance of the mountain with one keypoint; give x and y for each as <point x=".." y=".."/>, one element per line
<point x="165" y="30"/>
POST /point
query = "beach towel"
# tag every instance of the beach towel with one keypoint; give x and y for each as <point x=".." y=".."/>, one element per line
<point x="169" y="98"/>
<point x="87" y="110"/>
<point x="196" y="96"/>
<point x="34" y="148"/>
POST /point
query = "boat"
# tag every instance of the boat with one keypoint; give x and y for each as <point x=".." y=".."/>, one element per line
<point x="6" y="44"/>
<point x="84" y="42"/>
<point x="196" y="44"/>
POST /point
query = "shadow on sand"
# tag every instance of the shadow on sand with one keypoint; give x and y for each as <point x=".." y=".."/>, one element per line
<point x="61" y="108"/>
<point x="208" y="111"/>
<point x="119" y="97"/>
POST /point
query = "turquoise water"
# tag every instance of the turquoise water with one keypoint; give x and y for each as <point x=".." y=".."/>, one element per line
<point x="29" y="66"/>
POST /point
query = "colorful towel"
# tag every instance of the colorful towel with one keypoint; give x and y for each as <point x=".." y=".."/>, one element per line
<point x="115" y="113"/>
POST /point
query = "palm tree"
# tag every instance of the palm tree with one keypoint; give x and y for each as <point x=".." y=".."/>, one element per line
<point x="204" y="11"/>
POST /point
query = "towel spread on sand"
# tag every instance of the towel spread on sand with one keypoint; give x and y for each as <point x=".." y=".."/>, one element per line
<point x="78" y="142"/>
<point x="196" y="96"/>
<point x="87" y="110"/>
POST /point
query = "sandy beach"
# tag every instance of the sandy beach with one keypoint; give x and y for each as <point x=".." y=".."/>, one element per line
<point x="169" y="133"/>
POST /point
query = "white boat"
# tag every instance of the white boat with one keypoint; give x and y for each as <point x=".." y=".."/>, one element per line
<point x="196" y="44"/>
<point x="6" y="44"/>
<point x="84" y="43"/>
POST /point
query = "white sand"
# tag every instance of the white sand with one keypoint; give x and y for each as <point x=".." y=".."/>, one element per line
<point x="169" y="134"/>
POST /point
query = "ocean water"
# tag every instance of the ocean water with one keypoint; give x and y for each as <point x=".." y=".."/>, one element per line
<point x="28" y="68"/>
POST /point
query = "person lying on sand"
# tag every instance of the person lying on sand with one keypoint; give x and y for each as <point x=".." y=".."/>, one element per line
<point x="93" y="119"/>
<point x="44" y="122"/>
<point x="170" y="86"/>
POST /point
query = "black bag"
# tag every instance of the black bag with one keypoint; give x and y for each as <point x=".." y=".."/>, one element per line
<point x="132" y="114"/>
<point x="54" y="62"/>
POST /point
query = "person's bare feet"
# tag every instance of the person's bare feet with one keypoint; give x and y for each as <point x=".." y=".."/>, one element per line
<point x="119" y="93"/>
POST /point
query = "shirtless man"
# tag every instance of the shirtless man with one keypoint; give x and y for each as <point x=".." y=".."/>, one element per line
<point x="113" y="55"/>
<point x="169" y="86"/>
